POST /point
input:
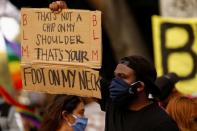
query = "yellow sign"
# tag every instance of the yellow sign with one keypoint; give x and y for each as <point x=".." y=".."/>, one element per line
<point x="175" y="50"/>
<point x="60" y="51"/>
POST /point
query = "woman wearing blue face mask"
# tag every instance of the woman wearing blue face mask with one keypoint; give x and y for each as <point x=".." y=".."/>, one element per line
<point x="65" y="113"/>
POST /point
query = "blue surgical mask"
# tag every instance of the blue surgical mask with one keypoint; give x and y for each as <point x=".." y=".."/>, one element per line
<point x="122" y="92"/>
<point x="80" y="123"/>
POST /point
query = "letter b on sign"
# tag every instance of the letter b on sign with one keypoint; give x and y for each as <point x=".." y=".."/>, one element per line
<point x="177" y="41"/>
<point x="175" y="50"/>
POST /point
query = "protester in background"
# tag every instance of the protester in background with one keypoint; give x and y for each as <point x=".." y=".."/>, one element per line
<point x="65" y="113"/>
<point x="166" y="84"/>
<point x="10" y="120"/>
<point x="184" y="111"/>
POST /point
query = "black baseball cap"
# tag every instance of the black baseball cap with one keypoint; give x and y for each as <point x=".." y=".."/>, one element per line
<point x="166" y="84"/>
<point x="145" y="71"/>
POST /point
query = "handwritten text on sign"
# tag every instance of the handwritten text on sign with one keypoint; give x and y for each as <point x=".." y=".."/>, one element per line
<point x="70" y="37"/>
<point x="61" y="79"/>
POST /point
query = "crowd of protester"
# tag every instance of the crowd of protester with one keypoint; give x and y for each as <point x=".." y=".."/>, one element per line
<point x="134" y="100"/>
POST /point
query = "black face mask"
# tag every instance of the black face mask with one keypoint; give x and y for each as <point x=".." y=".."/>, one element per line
<point x="121" y="92"/>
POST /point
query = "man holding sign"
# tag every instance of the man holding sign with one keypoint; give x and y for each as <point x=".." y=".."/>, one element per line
<point x="127" y="106"/>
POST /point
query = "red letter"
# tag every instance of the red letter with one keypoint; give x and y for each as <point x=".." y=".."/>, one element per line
<point x="24" y="38"/>
<point x="94" y="36"/>
<point x="94" y="20"/>
<point x="95" y="53"/>
<point x="24" y="19"/>
<point x="25" y="51"/>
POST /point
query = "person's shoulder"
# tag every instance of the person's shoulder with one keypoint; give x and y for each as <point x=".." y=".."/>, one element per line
<point x="166" y="125"/>
<point x="157" y="114"/>
<point x="161" y="120"/>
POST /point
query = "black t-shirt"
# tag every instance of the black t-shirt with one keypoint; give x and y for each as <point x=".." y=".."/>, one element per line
<point x="149" y="118"/>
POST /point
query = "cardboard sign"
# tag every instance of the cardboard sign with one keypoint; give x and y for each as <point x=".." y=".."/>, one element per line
<point x="60" y="50"/>
<point x="72" y="37"/>
<point x="61" y="80"/>
<point x="175" y="50"/>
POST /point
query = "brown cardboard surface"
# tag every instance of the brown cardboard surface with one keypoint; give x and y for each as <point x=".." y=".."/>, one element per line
<point x="61" y="80"/>
<point x="60" y="50"/>
<point x="70" y="37"/>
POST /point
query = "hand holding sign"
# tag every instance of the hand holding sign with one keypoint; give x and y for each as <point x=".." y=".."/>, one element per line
<point x="57" y="6"/>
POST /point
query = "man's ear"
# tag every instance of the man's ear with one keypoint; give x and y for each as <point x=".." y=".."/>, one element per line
<point x="140" y="86"/>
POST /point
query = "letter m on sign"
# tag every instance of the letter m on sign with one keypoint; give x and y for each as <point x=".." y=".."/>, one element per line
<point x="25" y="51"/>
<point x="95" y="55"/>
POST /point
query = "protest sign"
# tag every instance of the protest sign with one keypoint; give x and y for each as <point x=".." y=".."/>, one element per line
<point x="61" y="79"/>
<point x="70" y="37"/>
<point x="175" y="50"/>
<point x="60" y="51"/>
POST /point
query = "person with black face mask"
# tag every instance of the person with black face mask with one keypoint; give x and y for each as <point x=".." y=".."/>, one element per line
<point x="126" y="99"/>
